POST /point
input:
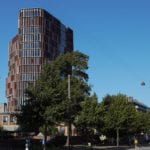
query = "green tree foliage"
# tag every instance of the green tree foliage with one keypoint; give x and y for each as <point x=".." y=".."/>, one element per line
<point x="89" y="117"/>
<point x="142" y="123"/>
<point x="67" y="108"/>
<point x="56" y="75"/>
<point x="30" y="118"/>
<point x="120" y="114"/>
<point x="48" y="101"/>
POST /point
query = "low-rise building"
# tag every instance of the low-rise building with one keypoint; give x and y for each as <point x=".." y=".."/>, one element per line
<point x="139" y="105"/>
<point x="8" y="120"/>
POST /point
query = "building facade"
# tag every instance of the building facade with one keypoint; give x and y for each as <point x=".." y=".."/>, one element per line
<point x="40" y="37"/>
<point x="8" y="120"/>
<point x="138" y="105"/>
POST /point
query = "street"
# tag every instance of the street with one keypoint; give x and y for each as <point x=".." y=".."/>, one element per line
<point x="141" y="148"/>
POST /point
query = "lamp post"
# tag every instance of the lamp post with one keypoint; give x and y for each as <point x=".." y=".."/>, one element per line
<point x="69" y="125"/>
<point x="69" y="96"/>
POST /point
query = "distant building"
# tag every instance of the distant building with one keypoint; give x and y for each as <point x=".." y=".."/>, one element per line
<point x="3" y="107"/>
<point x="41" y="37"/>
<point x="1" y="111"/>
<point x="7" y="120"/>
<point x="138" y="105"/>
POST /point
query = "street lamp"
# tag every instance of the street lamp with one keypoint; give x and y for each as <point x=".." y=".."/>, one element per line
<point x="69" y="125"/>
<point x="69" y="95"/>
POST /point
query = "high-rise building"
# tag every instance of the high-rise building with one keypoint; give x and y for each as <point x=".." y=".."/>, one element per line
<point x="40" y="37"/>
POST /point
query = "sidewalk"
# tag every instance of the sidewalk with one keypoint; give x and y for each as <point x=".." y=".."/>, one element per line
<point x="108" y="148"/>
<point x="100" y="147"/>
<point x="111" y="147"/>
<point x="147" y="147"/>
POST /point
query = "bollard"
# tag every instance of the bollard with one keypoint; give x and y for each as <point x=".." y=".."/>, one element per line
<point x="26" y="146"/>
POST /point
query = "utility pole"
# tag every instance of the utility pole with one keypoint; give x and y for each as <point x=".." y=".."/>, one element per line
<point x="68" y="124"/>
<point x="69" y="96"/>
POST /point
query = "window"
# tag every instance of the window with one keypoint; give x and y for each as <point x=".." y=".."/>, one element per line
<point x="31" y="53"/>
<point x="31" y="45"/>
<point x="32" y="37"/>
<point x="31" y="13"/>
<point x="29" y="76"/>
<point x="5" y="118"/>
<point x="30" y="29"/>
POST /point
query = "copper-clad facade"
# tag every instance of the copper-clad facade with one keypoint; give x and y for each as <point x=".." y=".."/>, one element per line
<point x="40" y="37"/>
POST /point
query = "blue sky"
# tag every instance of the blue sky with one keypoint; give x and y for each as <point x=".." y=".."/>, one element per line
<point x="114" y="33"/>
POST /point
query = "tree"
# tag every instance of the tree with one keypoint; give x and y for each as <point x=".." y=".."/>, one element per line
<point x="30" y="118"/>
<point x="49" y="95"/>
<point x="89" y="118"/>
<point x="67" y="109"/>
<point x="120" y="114"/>
<point x="142" y="123"/>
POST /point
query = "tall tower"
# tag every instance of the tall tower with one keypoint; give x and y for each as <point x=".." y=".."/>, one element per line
<point x="40" y="36"/>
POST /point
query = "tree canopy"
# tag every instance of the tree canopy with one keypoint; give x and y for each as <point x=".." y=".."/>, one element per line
<point x="47" y="100"/>
<point x="90" y="117"/>
<point x="120" y="114"/>
<point x="62" y="95"/>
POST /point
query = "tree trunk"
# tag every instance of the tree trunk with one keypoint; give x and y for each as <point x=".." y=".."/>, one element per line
<point x="68" y="134"/>
<point x="117" y="131"/>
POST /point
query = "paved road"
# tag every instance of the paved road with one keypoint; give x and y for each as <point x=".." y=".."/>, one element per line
<point x="95" y="148"/>
<point x="120" y="148"/>
<point x="141" y="148"/>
